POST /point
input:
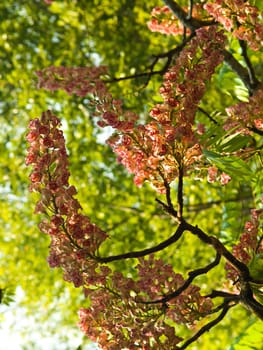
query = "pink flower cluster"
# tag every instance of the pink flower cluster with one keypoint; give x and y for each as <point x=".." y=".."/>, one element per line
<point x="144" y="325"/>
<point x="246" y="115"/>
<point x="74" y="80"/>
<point x="73" y="236"/>
<point x="185" y="83"/>
<point x="155" y="151"/>
<point x="239" y="17"/>
<point x="249" y="245"/>
<point x="116" y="321"/>
<point x="157" y="279"/>
<point x="163" y="21"/>
<point x="213" y="175"/>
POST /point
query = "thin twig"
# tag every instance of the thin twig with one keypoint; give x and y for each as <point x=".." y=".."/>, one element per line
<point x="252" y="77"/>
<point x="191" y="23"/>
<point x="192" y="275"/>
<point x="135" y="76"/>
<point x="239" y="70"/>
<point x="208" y="115"/>
<point x="169" y="55"/>
<point x="170" y="210"/>
<point x="137" y="254"/>
<point x="221" y="249"/>
<point x="180" y="199"/>
<point x="207" y="327"/>
<point x="203" y="206"/>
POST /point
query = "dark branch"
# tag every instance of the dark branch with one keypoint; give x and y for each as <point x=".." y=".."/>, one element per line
<point x="192" y="275"/>
<point x="234" y="301"/>
<point x="240" y="71"/>
<point x="226" y="306"/>
<point x="247" y="299"/>
<point x="137" y="254"/>
<point x="167" y="208"/>
<point x="208" y="115"/>
<point x="221" y="249"/>
<point x="180" y="199"/>
<point x="252" y="77"/>
<point x="222" y="294"/>
<point x="256" y="131"/>
<point x="136" y="76"/>
<point x="169" y="55"/>
<point x="191" y="23"/>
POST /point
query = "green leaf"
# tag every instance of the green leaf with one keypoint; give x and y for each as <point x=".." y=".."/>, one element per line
<point x="232" y="143"/>
<point x="231" y="165"/>
<point x="251" y="338"/>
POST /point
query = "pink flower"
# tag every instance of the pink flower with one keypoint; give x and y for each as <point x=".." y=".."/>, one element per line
<point x="212" y="174"/>
<point x="200" y="128"/>
<point x="35" y="176"/>
<point x="32" y="136"/>
<point x="69" y="231"/>
<point x="224" y="179"/>
<point x="258" y="123"/>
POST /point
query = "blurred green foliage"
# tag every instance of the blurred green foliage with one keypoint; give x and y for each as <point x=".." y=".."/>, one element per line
<point x="87" y="32"/>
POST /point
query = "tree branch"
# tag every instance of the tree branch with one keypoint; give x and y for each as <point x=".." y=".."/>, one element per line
<point x="192" y="275"/>
<point x="256" y="131"/>
<point x="189" y="22"/>
<point x="222" y="294"/>
<point x="234" y="301"/>
<point x="221" y="249"/>
<point x="170" y="55"/>
<point x="180" y="199"/>
<point x="135" y="76"/>
<point x="169" y="210"/>
<point x="240" y="71"/>
<point x="137" y="254"/>
<point x="208" y="115"/>
<point x="252" y="77"/>
<point x="169" y="207"/>
<point x="226" y="306"/>
<point x="247" y="299"/>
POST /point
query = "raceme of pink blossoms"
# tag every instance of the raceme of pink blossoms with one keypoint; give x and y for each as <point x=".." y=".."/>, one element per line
<point x="242" y="19"/>
<point x="246" y="115"/>
<point x="144" y="324"/>
<point x="249" y="247"/>
<point x="74" y="80"/>
<point x="163" y="21"/>
<point x="73" y="236"/>
<point x="213" y="176"/>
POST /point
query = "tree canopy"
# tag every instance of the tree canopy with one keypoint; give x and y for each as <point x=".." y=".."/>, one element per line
<point x="172" y="247"/>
